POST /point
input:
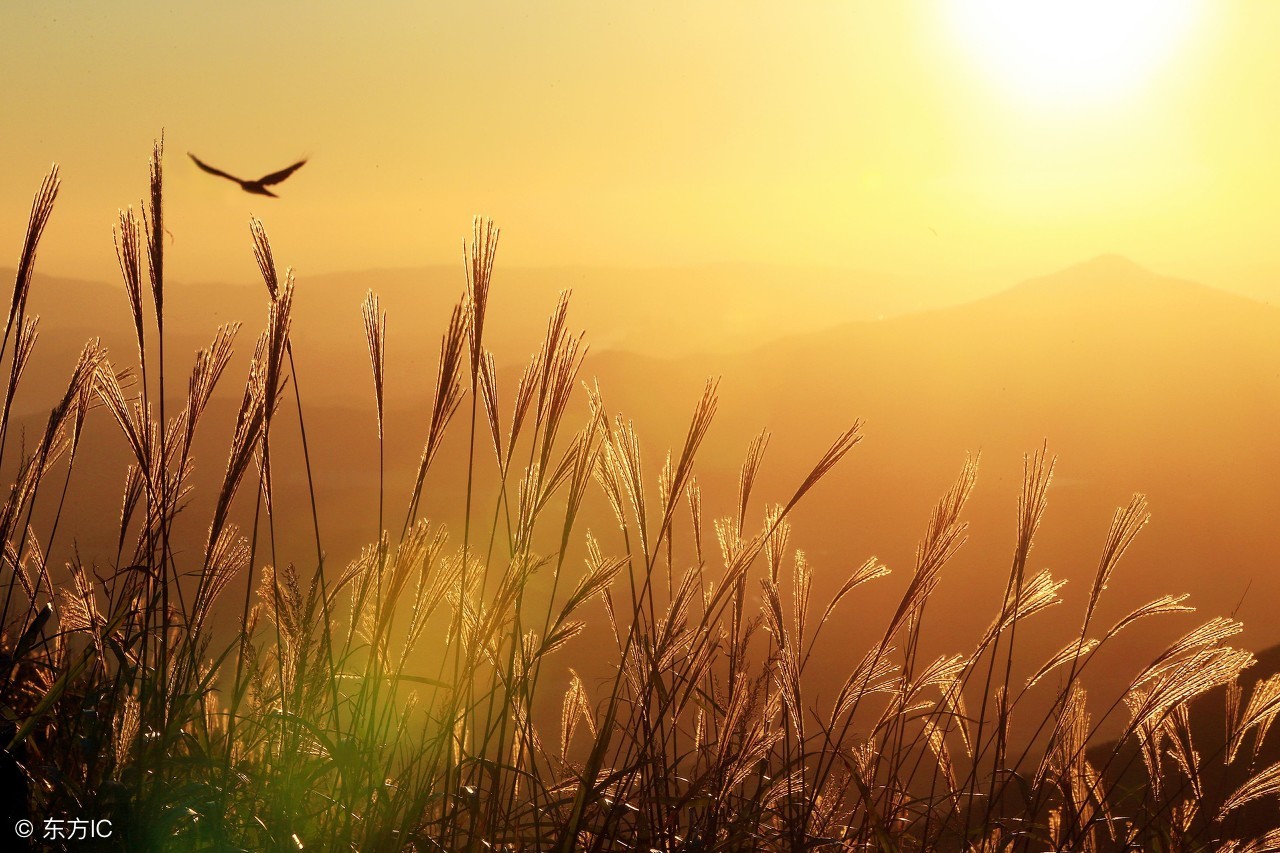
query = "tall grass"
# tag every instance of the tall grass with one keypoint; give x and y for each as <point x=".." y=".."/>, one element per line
<point x="313" y="722"/>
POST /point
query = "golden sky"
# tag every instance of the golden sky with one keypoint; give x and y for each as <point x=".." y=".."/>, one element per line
<point x="841" y="134"/>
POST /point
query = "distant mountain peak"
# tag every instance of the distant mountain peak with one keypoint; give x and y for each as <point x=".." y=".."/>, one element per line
<point x="1119" y="284"/>
<point x="1110" y="263"/>
<point x="1099" y="277"/>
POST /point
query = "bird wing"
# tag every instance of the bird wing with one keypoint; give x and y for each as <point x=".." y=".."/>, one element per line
<point x="277" y="177"/>
<point x="212" y="171"/>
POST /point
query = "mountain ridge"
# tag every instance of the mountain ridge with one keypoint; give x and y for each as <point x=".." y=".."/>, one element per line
<point x="1175" y="400"/>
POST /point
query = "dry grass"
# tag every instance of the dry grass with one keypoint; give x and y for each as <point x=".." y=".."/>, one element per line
<point x="310" y="725"/>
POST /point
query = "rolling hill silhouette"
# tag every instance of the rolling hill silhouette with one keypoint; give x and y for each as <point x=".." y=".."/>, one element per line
<point x="1137" y="382"/>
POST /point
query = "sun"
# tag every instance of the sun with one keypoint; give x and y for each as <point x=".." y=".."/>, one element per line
<point x="1063" y="52"/>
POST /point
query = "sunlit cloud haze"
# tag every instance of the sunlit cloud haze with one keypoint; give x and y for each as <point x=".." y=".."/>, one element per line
<point x="858" y="135"/>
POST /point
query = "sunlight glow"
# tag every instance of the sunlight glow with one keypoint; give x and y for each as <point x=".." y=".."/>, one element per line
<point x="1063" y="52"/>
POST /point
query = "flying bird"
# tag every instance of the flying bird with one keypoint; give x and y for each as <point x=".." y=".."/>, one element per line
<point x="258" y="187"/>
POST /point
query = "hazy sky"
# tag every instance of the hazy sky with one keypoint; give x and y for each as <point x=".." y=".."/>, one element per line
<point x="819" y="133"/>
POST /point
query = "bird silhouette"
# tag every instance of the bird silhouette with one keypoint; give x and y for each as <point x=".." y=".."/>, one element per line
<point x="258" y="187"/>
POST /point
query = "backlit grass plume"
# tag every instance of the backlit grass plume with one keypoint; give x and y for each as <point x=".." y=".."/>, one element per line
<point x="432" y="692"/>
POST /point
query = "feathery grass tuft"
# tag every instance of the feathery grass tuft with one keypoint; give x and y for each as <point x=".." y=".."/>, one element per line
<point x="409" y="700"/>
